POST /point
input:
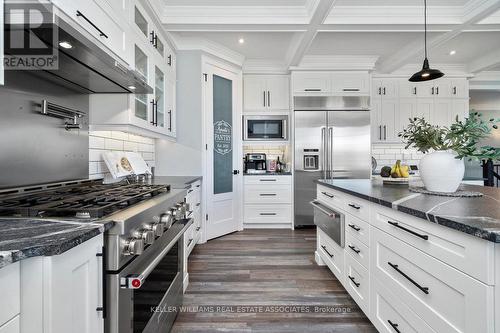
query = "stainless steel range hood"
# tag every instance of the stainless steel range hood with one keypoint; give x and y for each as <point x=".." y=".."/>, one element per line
<point x="85" y="67"/>
<point x="331" y="103"/>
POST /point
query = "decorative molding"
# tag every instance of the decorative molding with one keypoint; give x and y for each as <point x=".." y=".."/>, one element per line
<point x="448" y="69"/>
<point x="210" y="47"/>
<point x="394" y="15"/>
<point x="488" y="80"/>
<point x="235" y="15"/>
<point x="263" y="66"/>
<point x="344" y="62"/>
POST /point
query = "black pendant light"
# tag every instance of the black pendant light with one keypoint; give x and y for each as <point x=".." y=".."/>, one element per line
<point x="427" y="73"/>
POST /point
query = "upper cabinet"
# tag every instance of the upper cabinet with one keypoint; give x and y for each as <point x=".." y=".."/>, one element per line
<point x="152" y="57"/>
<point x="331" y="83"/>
<point x="266" y="93"/>
<point x="396" y="100"/>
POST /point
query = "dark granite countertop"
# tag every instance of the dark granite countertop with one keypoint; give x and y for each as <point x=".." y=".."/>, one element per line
<point x="181" y="182"/>
<point x="268" y="173"/>
<point x="478" y="216"/>
<point x="22" y="238"/>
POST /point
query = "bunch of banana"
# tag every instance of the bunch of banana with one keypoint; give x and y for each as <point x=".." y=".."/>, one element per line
<point x="400" y="171"/>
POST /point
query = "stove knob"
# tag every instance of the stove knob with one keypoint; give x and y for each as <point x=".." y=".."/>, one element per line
<point x="156" y="228"/>
<point x="133" y="247"/>
<point x="167" y="219"/>
<point x="176" y="215"/>
<point x="147" y="236"/>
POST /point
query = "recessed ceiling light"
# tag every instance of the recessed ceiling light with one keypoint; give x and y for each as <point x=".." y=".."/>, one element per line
<point x="65" y="45"/>
<point x="453" y="52"/>
<point x="241" y="40"/>
<point x="131" y="87"/>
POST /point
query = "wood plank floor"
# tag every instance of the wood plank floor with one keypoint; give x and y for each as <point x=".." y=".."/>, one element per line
<point x="262" y="268"/>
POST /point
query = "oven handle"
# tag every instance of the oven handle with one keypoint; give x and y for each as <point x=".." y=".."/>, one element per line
<point x="103" y="308"/>
<point x="317" y="205"/>
<point x="135" y="281"/>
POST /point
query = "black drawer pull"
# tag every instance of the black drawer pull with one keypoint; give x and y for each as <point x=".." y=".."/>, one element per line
<point x="312" y="89"/>
<point x="394" y="326"/>
<point x="198" y="204"/>
<point x="328" y="194"/>
<point x="354" y="249"/>
<point x="267" y="180"/>
<point x="101" y="33"/>
<point x="357" y="284"/>
<point x="425" y="290"/>
<point x="190" y="241"/>
<point x="324" y="248"/>
<point x="190" y="191"/>
<point x="267" y="194"/>
<point x="267" y="214"/>
<point x="355" y="227"/>
<point x="198" y="185"/>
<point x="396" y="224"/>
<point x="198" y="229"/>
<point x="354" y="206"/>
<point x="350" y="89"/>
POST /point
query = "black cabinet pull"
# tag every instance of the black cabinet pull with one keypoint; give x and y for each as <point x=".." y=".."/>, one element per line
<point x="198" y="229"/>
<point x="267" y="180"/>
<point x="268" y="98"/>
<point x="380" y="90"/>
<point x="357" y="284"/>
<point x="101" y="33"/>
<point x="414" y="90"/>
<point x="169" y="60"/>
<point x="396" y="224"/>
<point x="384" y="90"/>
<point x="154" y="39"/>
<point x="437" y="90"/>
<point x="328" y="194"/>
<point x="267" y="194"/>
<point x="425" y="290"/>
<point x="380" y="132"/>
<point x="170" y="120"/>
<point x="191" y="190"/>
<point x="198" y="204"/>
<point x="154" y="113"/>
<point x="385" y="132"/>
<point x="394" y="326"/>
<point x="350" y="89"/>
<point x="355" y="227"/>
<point x="354" y="206"/>
<point x="324" y="249"/>
<point x="312" y="89"/>
<point x="189" y="243"/>
<point x="264" y="99"/>
<point x="454" y="90"/>
<point x="432" y="91"/>
<point x="103" y="308"/>
<point x="267" y="214"/>
<point x="354" y="249"/>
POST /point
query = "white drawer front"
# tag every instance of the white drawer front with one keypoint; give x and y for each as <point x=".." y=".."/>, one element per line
<point x="10" y="291"/>
<point x="452" y="247"/>
<point x="330" y="197"/>
<point x="332" y="254"/>
<point x="357" y="207"/>
<point x="268" y="214"/>
<point x="268" y="180"/>
<point x="268" y="194"/>
<point x="357" y="250"/>
<point x="448" y="300"/>
<point x="358" y="229"/>
<point x="193" y="198"/>
<point x="389" y="315"/>
<point x="12" y="326"/>
<point x="357" y="283"/>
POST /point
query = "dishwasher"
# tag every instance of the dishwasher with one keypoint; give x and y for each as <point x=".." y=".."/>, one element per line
<point x="330" y="221"/>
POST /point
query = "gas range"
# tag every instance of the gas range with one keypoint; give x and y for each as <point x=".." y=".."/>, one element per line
<point x="143" y="250"/>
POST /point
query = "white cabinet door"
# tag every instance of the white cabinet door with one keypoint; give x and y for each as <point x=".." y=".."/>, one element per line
<point x="407" y="109"/>
<point x="350" y="83"/>
<point x="10" y="292"/>
<point x="73" y="282"/>
<point x="311" y="82"/>
<point x="376" y="108"/>
<point x="278" y="87"/>
<point x="459" y="88"/>
<point x="460" y="108"/>
<point x="441" y="113"/>
<point x="171" y="114"/>
<point x="425" y="107"/>
<point x="425" y="89"/>
<point x="254" y="93"/>
<point x="388" y="116"/>
<point x="390" y="88"/>
<point x="407" y="89"/>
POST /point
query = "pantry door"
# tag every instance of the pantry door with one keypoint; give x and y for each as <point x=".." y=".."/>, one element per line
<point x="223" y="152"/>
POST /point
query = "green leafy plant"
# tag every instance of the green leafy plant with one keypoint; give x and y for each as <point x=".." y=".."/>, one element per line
<point x="462" y="137"/>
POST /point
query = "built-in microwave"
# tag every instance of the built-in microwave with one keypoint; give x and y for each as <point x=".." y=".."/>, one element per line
<point x="265" y="128"/>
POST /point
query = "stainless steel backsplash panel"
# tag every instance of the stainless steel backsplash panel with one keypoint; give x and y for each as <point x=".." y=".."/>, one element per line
<point x="34" y="148"/>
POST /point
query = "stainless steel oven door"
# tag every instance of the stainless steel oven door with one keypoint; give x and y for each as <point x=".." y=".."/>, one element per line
<point x="145" y="296"/>
<point x="330" y="221"/>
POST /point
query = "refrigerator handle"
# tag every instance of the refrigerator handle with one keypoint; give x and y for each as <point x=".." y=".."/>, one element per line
<point x="330" y="152"/>
<point x="323" y="150"/>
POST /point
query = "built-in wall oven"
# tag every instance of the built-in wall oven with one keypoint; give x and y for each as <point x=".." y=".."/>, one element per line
<point x="265" y="128"/>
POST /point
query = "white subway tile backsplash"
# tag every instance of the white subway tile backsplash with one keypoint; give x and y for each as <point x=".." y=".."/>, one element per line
<point x="102" y="141"/>
<point x="388" y="154"/>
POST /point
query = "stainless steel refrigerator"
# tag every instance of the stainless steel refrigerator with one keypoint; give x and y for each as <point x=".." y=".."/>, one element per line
<point x="332" y="141"/>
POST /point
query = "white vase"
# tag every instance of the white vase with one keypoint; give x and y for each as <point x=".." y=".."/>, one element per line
<point x="441" y="171"/>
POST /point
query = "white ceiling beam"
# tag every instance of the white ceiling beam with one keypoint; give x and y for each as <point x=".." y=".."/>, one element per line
<point x="485" y="62"/>
<point x="304" y="41"/>
<point x="236" y="27"/>
<point x="477" y="12"/>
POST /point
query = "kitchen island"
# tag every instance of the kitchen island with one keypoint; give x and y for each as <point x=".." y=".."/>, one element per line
<point x="413" y="262"/>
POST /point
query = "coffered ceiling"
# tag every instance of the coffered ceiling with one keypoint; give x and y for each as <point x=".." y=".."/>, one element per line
<point x="390" y="31"/>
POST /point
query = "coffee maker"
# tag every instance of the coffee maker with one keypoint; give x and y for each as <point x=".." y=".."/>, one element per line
<point x="255" y="163"/>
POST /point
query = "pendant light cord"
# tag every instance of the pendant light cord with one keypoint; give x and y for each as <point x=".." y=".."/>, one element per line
<point x="425" y="28"/>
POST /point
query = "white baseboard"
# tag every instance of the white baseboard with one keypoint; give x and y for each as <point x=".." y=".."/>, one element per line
<point x="318" y="259"/>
